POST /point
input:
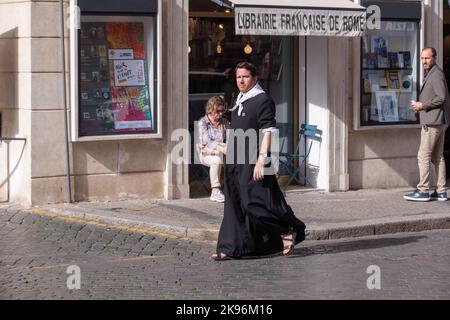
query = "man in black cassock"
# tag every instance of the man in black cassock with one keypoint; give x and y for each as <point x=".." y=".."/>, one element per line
<point x="257" y="220"/>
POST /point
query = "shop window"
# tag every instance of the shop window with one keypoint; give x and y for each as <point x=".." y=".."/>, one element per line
<point x="215" y="50"/>
<point x="116" y="76"/>
<point x="390" y="66"/>
<point x="389" y="74"/>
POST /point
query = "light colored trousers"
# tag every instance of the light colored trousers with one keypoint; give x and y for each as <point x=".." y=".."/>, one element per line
<point x="215" y="166"/>
<point x="431" y="151"/>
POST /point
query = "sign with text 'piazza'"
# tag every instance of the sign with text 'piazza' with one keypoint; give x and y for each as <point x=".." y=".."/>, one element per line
<point x="299" y="22"/>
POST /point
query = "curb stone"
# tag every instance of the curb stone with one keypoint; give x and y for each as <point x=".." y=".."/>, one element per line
<point x="209" y="232"/>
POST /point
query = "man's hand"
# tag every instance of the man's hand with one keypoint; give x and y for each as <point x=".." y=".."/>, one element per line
<point x="417" y="106"/>
<point x="258" y="172"/>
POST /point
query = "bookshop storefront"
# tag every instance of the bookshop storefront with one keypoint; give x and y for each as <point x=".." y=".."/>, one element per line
<point x="295" y="46"/>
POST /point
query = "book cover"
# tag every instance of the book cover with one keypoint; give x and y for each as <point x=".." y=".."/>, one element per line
<point x="393" y="59"/>
<point x="383" y="83"/>
<point x="364" y="46"/>
<point x="367" y="86"/>
<point x="372" y="61"/>
<point x="364" y="61"/>
<point x="364" y="52"/>
<point x="400" y="60"/>
<point x="383" y="62"/>
<point x="407" y="83"/>
<point x="393" y="79"/>
<point x="373" y="80"/>
<point x="366" y="106"/>
<point x="373" y="114"/>
<point x="380" y="46"/>
<point x="406" y="59"/>
<point x="366" y="101"/>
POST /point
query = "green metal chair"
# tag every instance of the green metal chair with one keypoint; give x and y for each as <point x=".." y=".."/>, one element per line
<point x="292" y="162"/>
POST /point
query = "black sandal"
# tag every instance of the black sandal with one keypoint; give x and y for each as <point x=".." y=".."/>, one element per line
<point x="290" y="247"/>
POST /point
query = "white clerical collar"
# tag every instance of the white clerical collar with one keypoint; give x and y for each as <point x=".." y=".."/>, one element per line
<point x="242" y="97"/>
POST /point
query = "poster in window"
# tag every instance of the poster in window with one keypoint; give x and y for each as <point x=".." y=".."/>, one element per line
<point x="131" y="108"/>
<point x="129" y="73"/>
<point x="115" y="91"/>
<point x="387" y="106"/>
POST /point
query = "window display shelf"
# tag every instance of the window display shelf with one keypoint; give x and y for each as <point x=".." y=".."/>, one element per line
<point x="389" y="75"/>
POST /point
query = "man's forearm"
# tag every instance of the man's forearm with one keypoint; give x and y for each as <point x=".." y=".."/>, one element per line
<point x="265" y="144"/>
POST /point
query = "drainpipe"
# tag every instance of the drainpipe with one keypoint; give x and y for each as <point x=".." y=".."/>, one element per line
<point x="66" y="126"/>
<point x="306" y="96"/>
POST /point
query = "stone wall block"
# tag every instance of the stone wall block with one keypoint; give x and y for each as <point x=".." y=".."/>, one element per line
<point x="48" y="144"/>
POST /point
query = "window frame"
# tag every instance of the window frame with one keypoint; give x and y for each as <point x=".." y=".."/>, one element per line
<point x="154" y="75"/>
<point x="389" y="11"/>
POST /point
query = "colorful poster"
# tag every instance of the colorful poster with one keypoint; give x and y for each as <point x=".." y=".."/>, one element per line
<point x="130" y="92"/>
<point x="115" y="96"/>
<point x="129" y="35"/>
<point x="131" y="105"/>
<point x="129" y="73"/>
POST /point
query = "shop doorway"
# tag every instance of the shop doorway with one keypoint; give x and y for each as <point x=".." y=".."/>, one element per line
<point x="214" y="51"/>
<point x="446" y="67"/>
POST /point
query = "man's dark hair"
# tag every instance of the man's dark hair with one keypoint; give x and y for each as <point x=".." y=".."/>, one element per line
<point x="249" y="66"/>
<point x="433" y="51"/>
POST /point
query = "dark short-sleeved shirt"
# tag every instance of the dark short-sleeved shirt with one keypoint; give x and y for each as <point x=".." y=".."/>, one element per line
<point x="258" y="114"/>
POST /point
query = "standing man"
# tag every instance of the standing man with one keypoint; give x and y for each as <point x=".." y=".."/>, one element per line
<point x="434" y="110"/>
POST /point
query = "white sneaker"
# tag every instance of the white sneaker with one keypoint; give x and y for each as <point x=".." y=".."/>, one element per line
<point x="217" y="195"/>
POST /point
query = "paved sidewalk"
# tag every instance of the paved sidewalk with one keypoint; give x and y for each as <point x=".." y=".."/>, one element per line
<point x="326" y="215"/>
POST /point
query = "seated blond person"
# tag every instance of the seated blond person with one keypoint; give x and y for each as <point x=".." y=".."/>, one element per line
<point x="211" y="144"/>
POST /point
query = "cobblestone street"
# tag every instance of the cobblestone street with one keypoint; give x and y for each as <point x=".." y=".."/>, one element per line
<point x="36" y="251"/>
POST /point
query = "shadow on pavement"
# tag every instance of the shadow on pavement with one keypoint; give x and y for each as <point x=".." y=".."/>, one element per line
<point x="355" y="245"/>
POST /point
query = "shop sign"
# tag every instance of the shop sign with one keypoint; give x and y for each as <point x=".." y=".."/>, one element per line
<point x="299" y="22"/>
<point x="400" y="26"/>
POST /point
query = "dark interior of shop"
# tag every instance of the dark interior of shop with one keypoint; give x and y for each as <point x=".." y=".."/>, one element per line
<point x="214" y="49"/>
